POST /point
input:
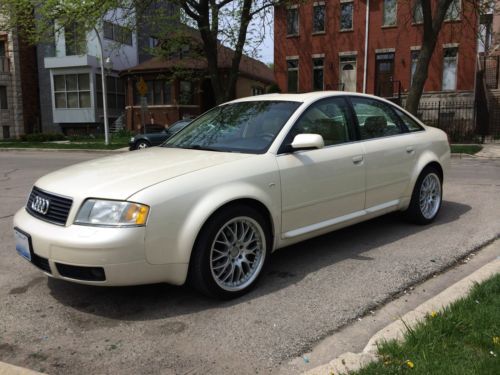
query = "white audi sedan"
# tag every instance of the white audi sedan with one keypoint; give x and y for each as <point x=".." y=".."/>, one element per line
<point x="242" y="180"/>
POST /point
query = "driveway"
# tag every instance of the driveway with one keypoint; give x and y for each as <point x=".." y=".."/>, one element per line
<point x="310" y="289"/>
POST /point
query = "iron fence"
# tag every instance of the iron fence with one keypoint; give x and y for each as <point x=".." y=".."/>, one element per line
<point x="457" y="118"/>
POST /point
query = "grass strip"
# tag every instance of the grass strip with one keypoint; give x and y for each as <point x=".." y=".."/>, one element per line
<point x="464" y="338"/>
<point x="466" y="149"/>
<point x="64" y="146"/>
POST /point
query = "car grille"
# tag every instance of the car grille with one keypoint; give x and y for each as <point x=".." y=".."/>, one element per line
<point x="58" y="207"/>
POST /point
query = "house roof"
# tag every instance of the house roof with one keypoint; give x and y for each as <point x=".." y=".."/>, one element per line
<point x="249" y="67"/>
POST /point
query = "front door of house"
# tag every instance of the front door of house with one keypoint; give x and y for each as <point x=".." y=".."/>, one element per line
<point x="384" y="72"/>
<point x="348" y="75"/>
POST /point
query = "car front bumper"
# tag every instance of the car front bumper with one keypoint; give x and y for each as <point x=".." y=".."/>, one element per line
<point x="94" y="255"/>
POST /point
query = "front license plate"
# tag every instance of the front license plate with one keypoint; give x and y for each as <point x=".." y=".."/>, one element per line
<point x="22" y="244"/>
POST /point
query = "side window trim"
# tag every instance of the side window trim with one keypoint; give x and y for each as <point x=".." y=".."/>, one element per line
<point x="399" y="122"/>
<point x="351" y="129"/>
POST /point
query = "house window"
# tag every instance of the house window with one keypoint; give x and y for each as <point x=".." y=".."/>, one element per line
<point x="319" y="18"/>
<point x="159" y="92"/>
<point x="293" y="75"/>
<point x="257" y="90"/>
<point x="185" y="92"/>
<point x="117" y="33"/>
<point x="390" y="13"/>
<point x="414" y="60"/>
<point x="318" y="74"/>
<point x="72" y="90"/>
<point x="417" y="12"/>
<point x="152" y="42"/>
<point x="346" y="10"/>
<point x="453" y="12"/>
<point x="3" y="97"/>
<point x="115" y="90"/>
<point x="292" y="21"/>
<point x="75" y="40"/>
<point x="3" y="60"/>
<point x="450" y="69"/>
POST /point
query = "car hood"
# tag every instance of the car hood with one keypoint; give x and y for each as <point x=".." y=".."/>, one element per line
<point x="122" y="175"/>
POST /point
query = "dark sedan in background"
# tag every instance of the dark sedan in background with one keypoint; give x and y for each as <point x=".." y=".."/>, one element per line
<point x="154" y="138"/>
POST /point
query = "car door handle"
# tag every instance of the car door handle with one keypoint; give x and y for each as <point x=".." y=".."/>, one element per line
<point x="410" y="150"/>
<point x="357" y="159"/>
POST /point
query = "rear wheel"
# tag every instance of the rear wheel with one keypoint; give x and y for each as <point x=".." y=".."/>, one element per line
<point x="230" y="252"/>
<point x="426" y="198"/>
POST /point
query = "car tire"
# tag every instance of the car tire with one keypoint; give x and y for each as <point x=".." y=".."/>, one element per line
<point x="230" y="252"/>
<point x="142" y="144"/>
<point x="426" y="198"/>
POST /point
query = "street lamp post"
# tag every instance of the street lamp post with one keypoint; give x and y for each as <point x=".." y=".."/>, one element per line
<point x="104" y="64"/>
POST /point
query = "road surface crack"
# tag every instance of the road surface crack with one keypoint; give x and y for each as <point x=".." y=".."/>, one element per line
<point x="6" y="175"/>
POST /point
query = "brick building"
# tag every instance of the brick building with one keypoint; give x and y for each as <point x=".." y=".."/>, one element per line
<point x="170" y="97"/>
<point x="321" y="45"/>
<point x="19" y="106"/>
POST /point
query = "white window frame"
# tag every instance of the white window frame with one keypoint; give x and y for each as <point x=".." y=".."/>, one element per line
<point x="316" y="5"/>
<point x="384" y="22"/>
<point x="448" y="17"/>
<point x="417" y="4"/>
<point x="77" y="91"/>
<point x="345" y="2"/>
<point x="456" y="69"/>
<point x="296" y="8"/>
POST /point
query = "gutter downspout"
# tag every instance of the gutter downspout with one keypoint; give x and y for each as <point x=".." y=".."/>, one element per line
<point x="367" y="24"/>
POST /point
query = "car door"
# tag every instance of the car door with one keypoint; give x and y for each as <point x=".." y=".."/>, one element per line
<point x="322" y="187"/>
<point x="389" y="152"/>
<point x="158" y="138"/>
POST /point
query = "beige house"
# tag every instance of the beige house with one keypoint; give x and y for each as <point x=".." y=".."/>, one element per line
<point x="170" y="99"/>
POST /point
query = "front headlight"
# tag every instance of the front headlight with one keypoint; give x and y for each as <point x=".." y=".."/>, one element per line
<point x="132" y="139"/>
<point x="112" y="213"/>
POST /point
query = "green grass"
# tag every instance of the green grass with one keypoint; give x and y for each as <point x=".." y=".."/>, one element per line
<point x="458" y="340"/>
<point x="78" y="144"/>
<point x="466" y="149"/>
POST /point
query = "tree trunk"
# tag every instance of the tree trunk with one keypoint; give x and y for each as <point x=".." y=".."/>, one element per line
<point x="432" y="27"/>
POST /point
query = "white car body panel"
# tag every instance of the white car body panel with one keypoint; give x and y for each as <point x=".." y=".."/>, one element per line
<point x="305" y="194"/>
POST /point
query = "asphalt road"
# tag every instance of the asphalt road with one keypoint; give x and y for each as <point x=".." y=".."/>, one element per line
<point x="310" y="290"/>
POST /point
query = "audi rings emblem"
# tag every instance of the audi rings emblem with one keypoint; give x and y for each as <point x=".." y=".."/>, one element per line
<point x="40" y="205"/>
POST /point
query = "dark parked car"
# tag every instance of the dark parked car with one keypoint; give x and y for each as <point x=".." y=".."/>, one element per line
<point x="156" y="136"/>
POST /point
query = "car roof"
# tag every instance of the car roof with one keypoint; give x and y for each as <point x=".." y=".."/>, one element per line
<point x="307" y="97"/>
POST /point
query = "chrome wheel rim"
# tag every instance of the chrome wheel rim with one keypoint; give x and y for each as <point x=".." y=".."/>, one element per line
<point x="237" y="253"/>
<point x="142" y="145"/>
<point x="430" y="195"/>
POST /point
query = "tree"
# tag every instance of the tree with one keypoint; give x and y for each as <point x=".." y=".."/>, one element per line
<point x="238" y="24"/>
<point x="235" y="17"/>
<point x="432" y="24"/>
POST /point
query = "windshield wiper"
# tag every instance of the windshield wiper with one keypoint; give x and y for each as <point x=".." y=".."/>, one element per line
<point x="204" y="148"/>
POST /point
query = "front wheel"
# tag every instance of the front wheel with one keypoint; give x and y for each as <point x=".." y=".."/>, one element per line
<point x="142" y="144"/>
<point x="426" y="198"/>
<point x="230" y="252"/>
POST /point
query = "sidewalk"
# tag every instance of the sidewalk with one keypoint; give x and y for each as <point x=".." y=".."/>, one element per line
<point x="490" y="150"/>
<point x="348" y="361"/>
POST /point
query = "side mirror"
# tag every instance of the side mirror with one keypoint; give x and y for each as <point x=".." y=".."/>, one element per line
<point x="307" y="142"/>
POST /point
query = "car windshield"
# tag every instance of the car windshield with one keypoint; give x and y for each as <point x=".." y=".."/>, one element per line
<point x="248" y="127"/>
<point x="179" y="125"/>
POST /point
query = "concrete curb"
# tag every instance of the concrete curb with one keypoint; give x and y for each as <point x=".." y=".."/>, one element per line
<point x="349" y="362"/>
<point x="63" y="150"/>
<point x="6" y="369"/>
